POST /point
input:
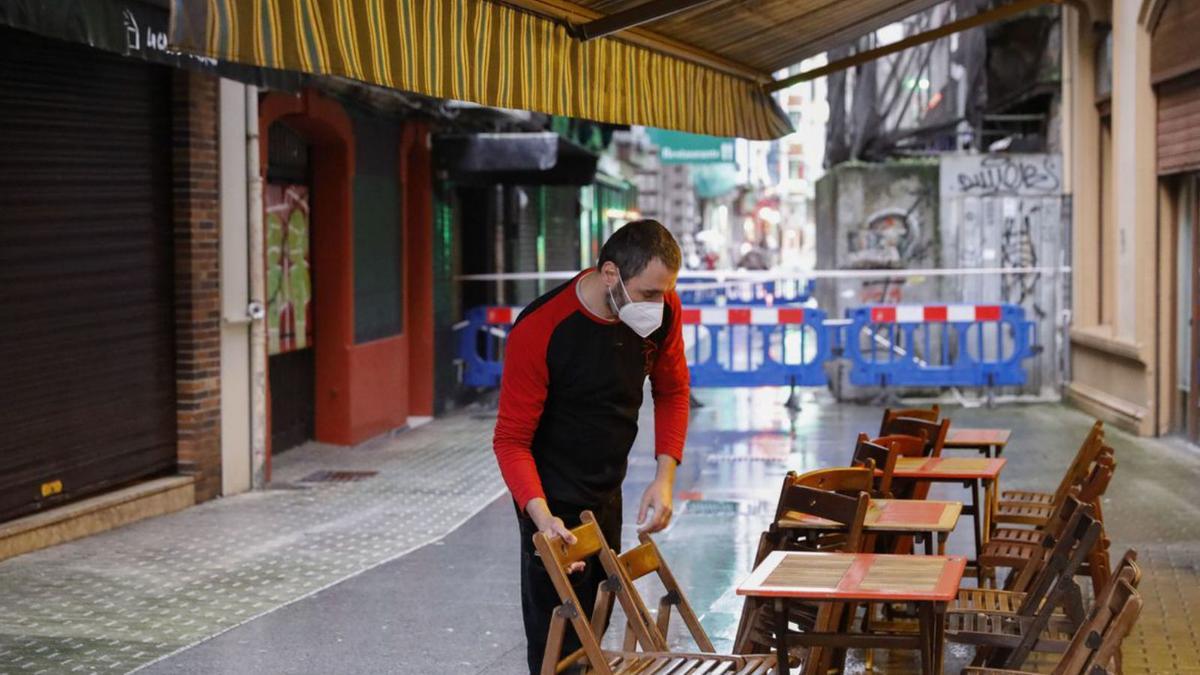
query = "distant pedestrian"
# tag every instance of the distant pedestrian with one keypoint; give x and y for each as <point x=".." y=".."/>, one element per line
<point x="574" y="368"/>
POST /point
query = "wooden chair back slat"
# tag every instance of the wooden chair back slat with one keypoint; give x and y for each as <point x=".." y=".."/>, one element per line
<point x="881" y="457"/>
<point x="934" y="432"/>
<point x="829" y="505"/>
<point x="931" y="414"/>
<point x="1088" y="451"/>
<point x="841" y="479"/>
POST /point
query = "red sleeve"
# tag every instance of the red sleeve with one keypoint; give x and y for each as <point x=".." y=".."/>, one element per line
<point x="671" y="386"/>
<point x="522" y="394"/>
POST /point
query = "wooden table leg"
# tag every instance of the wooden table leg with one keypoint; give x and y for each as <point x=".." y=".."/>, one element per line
<point x="942" y="536"/>
<point x="939" y="636"/>
<point x="781" y="629"/>
<point x="928" y="537"/>
<point x="976" y="517"/>
<point x="925" y="619"/>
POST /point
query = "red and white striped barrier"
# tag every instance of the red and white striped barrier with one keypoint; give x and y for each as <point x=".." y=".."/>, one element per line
<point x="935" y="313"/>
<point x="743" y="316"/>
<point x="502" y="316"/>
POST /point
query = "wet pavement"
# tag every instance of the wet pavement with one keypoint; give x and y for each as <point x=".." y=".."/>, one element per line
<point x="316" y="579"/>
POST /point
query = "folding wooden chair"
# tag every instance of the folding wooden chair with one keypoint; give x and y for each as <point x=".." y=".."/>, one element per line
<point x="756" y="628"/>
<point x="641" y="561"/>
<point x="1035" y="513"/>
<point x="1013" y="548"/>
<point x="1096" y="645"/>
<point x="1087" y="453"/>
<point x="880" y="457"/>
<point x="557" y="556"/>
<point x="1007" y="639"/>
<point x="931" y="414"/>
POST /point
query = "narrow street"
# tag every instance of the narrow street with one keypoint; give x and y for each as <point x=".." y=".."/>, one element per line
<point x="414" y="569"/>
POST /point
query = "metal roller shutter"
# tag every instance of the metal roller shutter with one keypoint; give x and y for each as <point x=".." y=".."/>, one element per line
<point x="87" y="384"/>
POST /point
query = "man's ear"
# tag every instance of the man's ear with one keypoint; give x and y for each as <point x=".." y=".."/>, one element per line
<point x="609" y="272"/>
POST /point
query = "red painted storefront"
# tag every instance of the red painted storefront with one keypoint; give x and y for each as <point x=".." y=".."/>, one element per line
<point x="362" y="389"/>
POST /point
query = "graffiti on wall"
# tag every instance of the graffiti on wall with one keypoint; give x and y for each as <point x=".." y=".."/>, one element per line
<point x="289" y="274"/>
<point x="889" y="238"/>
<point x="986" y="175"/>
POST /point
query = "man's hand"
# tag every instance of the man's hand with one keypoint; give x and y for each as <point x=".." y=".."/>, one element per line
<point x="657" y="504"/>
<point x="551" y="526"/>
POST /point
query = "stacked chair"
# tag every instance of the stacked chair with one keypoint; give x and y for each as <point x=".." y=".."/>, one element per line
<point x="1024" y="516"/>
<point x="1047" y="540"/>
<point x="558" y="556"/>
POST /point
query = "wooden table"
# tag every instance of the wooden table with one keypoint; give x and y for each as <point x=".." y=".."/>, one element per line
<point x="928" y="581"/>
<point x="984" y="440"/>
<point x="928" y="519"/>
<point x="973" y="473"/>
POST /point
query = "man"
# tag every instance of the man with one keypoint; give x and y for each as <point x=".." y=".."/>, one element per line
<point x="574" y="368"/>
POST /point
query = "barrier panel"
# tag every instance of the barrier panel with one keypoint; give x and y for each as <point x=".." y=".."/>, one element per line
<point x="938" y="345"/>
<point x="745" y="293"/>
<point x="481" y="344"/>
<point x="756" y="346"/>
<point x="725" y="347"/>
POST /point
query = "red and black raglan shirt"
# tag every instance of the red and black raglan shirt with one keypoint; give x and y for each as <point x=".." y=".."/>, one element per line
<point x="570" y="395"/>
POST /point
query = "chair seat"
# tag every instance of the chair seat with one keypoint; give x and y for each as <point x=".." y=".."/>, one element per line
<point x="1018" y="535"/>
<point x="1026" y="497"/>
<point x="653" y="663"/>
<point x="1000" y="553"/>
<point x="973" y="670"/>
<point x="1010" y="513"/>
<point x="1002" y="630"/>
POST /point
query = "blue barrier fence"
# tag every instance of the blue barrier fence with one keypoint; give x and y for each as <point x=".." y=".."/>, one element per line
<point x="938" y="345"/>
<point x="886" y="345"/>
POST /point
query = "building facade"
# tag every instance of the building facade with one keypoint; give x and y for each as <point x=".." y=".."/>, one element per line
<point x="1131" y="156"/>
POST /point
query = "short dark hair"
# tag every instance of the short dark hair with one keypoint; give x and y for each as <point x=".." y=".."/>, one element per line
<point x="633" y="246"/>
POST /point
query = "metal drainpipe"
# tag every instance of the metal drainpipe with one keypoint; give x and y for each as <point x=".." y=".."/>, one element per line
<point x="257" y="310"/>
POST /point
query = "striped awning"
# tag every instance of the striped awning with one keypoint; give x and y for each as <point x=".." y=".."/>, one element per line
<point x="485" y="52"/>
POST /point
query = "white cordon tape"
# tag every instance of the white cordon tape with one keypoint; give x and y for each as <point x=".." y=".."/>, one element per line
<point x="731" y="276"/>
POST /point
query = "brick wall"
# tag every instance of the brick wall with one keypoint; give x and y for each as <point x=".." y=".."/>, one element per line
<point x="196" y="204"/>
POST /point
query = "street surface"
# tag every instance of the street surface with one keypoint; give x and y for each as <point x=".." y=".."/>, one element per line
<point x="414" y="570"/>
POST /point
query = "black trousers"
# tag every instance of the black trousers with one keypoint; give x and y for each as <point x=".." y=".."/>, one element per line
<point x="538" y="597"/>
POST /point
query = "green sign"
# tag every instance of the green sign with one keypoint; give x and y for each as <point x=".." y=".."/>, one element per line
<point x="678" y="147"/>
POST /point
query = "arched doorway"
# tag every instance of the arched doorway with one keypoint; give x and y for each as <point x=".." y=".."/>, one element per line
<point x="290" y="306"/>
<point x="307" y="150"/>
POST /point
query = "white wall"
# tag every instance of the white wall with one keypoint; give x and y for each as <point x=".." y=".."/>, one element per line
<point x="235" y="294"/>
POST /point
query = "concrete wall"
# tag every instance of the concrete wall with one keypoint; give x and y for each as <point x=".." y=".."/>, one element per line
<point x="878" y="216"/>
<point x="1001" y="210"/>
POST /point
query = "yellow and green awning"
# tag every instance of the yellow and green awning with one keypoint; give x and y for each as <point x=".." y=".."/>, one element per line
<point x="481" y="51"/>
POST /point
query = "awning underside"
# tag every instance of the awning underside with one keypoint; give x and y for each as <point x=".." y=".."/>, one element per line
<point x="700" y="70"/>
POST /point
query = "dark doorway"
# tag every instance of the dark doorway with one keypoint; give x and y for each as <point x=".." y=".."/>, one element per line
<point x="290" y="329"/>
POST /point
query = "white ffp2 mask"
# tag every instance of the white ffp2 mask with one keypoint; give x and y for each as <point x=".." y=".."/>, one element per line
<point x="643" y="317"/>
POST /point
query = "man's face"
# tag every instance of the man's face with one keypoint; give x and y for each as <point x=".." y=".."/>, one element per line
<point x="650" y="285"/>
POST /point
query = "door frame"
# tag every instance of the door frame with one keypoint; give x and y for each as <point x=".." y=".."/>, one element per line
<point x="1192" y="414"/>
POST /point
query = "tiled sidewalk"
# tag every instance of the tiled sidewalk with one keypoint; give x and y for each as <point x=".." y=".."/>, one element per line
<point x="117" y="601"/>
